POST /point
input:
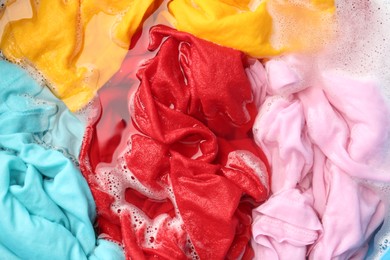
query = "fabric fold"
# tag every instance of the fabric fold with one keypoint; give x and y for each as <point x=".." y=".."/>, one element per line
<point x="47" y="207"/>
<point x="320" y="149"/>
<point x="71" y="60"/>
<point x="285" y="225"/>
<point x="189" y="174"/>
<point x="206" y="19"/>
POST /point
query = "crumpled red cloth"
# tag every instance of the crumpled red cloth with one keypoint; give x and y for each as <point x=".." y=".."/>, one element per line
<point x="186" y="182"/>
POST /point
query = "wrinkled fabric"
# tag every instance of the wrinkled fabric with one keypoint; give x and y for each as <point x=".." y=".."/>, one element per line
<point x="320" y="138"/>
<point x="189" y="175"/>
<point x="249" y="27"/>
<point x="285" y="225"/>
<point x="386" y="255"/>
<point x="46" y="206"/>
<point x="71" y="59"/>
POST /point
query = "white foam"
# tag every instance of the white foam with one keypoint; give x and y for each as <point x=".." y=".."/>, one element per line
<point x="190" y="250"/>
<point x="116" y="179"/>
<point x="360" y="50"/>
<point x="361" y="46"/>
<point x="252" y="162"/>
<point x="91" y="76"/>
<point x="32" y="71"/>
<point x="293" y="31"/>
<point x="89" y="112"/>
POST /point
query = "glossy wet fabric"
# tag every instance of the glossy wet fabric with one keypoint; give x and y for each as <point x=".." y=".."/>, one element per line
<point x="70" y="58"/>
<point x="250" y="27"/>
<point x="320" y="139"/>
<point x="189" y="174"/>
<point x="47" y="209"/>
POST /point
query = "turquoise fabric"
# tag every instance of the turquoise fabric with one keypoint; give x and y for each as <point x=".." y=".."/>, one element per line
<point x="46" y="207"/>
<point x="386" y="256"/>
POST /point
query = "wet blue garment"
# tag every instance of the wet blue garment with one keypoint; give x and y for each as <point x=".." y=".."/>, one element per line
<point x="46" y="207"/>
<point x="376" y="249"/>
<point x="386" y="256"/>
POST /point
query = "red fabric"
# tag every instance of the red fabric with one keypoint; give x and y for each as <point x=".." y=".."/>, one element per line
<point x="193" y="113"/>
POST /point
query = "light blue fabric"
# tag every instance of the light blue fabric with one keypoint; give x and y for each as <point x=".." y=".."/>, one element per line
<point x="386" y="256"/>
<point x="46" y="207"/>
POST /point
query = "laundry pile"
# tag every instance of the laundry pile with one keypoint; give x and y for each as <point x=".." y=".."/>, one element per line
<point x="204" y="129"/>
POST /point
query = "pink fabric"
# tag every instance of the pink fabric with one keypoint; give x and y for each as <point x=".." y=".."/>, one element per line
<point x="284" y="226"/>
<point x="277" y="84"/>
<point x="258" y="78"/>
<point x="317" y="139"/>
<point x="351" y="215"/>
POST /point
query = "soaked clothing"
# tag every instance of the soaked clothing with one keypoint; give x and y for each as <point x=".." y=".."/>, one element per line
<point x="43" y="196"/>
<point x="190" y="173"/>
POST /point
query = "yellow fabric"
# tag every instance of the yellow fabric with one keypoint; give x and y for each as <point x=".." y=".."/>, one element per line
<point x="77" y="45"/>
<point x="244" y="26"/>
<point x="13" y="11"/>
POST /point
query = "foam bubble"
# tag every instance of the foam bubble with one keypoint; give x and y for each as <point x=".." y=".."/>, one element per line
<point x="359" y="50"/>
<point x="190" y="250"/>
<point x="252" y="162"/>
<point x="115" y="180"/>
<point x="90" y="112"/>
<point x="3" y="5"/>
<point x="362" y="40"/>
<point x="31" y="70"/>
<point x="300" y="26"/>
<point x="91" y="76"/>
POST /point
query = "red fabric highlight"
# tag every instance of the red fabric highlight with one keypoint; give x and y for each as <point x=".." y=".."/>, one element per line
<point x="193" y="112"/>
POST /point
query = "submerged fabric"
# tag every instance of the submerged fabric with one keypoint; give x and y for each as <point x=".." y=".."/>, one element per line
<point x="46" y="206"/>
<point x="189" y="174"/>
<point x="318" y="138"/>
<point x="250" y="29"/>
<point x="70" y="57"/>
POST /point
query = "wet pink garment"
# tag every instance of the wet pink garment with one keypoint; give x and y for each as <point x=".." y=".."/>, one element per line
<point x="318" y="137"/>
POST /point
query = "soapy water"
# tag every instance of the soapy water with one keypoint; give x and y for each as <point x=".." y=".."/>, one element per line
<point x="359" y="50"/>
<point x="242" y="158"/>
<point x="43" y="139"/>
<point x="357" y="45"/>
<point x="3" y="4"/>
<point x="361" y="46"/>
<point x="116" y="181"/>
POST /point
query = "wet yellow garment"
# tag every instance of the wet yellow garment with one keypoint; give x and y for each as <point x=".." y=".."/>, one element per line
<point x="254" y="26"/>
<point x="77" y="45"/>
